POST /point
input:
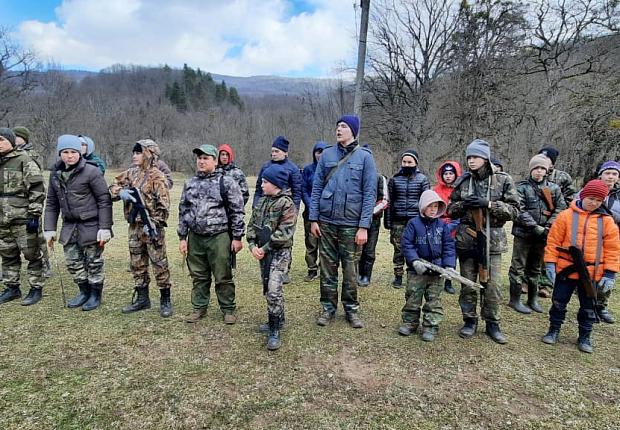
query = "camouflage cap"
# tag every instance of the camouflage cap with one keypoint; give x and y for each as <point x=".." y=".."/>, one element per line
<point x="151" y="145"/>
<point x="206" y="150"/>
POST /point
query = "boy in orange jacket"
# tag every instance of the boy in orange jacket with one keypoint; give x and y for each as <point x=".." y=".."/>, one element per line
<point x="591" y="228"/>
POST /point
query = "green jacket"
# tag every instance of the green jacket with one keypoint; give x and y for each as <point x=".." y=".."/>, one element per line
<point x="22" y="191"/>
<point x="279" y="213"/>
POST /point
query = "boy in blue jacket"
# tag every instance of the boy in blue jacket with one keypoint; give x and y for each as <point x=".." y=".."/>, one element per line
<point x="426" y="237"/>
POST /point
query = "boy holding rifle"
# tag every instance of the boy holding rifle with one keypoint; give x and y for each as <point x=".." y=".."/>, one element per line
<point x="582" y="254"/>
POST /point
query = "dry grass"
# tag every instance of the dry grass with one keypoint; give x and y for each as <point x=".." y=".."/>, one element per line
<point x="66" y="369"/>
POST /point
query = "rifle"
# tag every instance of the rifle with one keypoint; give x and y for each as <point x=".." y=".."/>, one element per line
<point x="545" y="194"/>
<point x="264" y="236"/>
<point x="482" y="251"/>
<point x="449" y="273"/>
<point x="62" y="284"/>
<point x="233" y="255"/>
<point x="138" y="208"/>
<point x="580" y="267"/>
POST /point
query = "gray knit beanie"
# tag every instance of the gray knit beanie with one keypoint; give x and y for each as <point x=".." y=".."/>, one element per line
<point x="478" y="148"/>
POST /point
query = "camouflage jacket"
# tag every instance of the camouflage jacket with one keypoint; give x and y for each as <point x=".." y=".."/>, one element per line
<point x="22" y="191"/>
<point x="533" y="210"/>
<point x="152" y="186"/>
<point x="565" y="182"/>
<point x="33" y="153"/>
<point x="279" y="213"/>
<point x="237" y="174"/>
<point x="504" y="207"/>
<point x="204" y="210"/>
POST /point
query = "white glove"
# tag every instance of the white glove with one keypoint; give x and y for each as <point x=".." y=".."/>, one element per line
<point x="419" y="267"/>
<point x="49" y="235"/>
<point x="104" y="235"/>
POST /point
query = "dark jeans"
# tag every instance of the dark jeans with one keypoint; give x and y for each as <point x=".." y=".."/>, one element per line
<point x="562" y="292"/>
<point x="368" y="256"/>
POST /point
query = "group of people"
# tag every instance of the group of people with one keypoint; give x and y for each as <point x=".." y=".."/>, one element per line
<point x="564" y="240"/>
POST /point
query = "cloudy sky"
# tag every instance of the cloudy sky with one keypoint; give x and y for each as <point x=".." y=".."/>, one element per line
<point x="234" y="37"/>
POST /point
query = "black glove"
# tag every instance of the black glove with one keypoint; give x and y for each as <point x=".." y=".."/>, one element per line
<point x="541" y="231"/>
<point x="472" y="202"/>
<point x="33" y="225"/>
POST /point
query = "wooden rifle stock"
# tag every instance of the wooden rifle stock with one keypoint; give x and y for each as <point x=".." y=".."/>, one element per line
<point x="548" y="200"/>
<point x="483" y="271"/>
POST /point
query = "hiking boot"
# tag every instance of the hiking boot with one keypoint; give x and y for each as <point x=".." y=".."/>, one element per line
<point x="583" y="342"/>
<point x="82" y="296"/>
<point x="47" y="268"/>
<point x="397" y="282"/>
<point x="325" y="318"/>
<point x="605" y="315"/>
<point x="196" y="315"/>
<point x="354" y="320"/>
<point x="273" y="341"/>
<point x="363" y="281"/>
<point x="544" y="292"/>
<point x="428" y="334"/>
<point x="469" y="328"/>
<point x="139" y="301"/>
<point x="10" y="293"/>
<point x="515" y="300"/>
<point x="552" y="336"/>
<point x="286" y="279"/>
<point x="448" y="288"/>
<point x="311" y="276"/>
<point x="34" y="296"/>
<point x="494" y="332"/>
<point x="165" y="304"/>
<point x="94" y="298"/>
<point x="408" y="328"/>
<point x="230" y="319"/>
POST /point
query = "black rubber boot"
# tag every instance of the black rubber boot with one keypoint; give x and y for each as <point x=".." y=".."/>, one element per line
<point x="515" y="300"/>
<point x="448" y="288"/>
<point x="605" y="315"/>
<point x="82" y="296"/>
<point x="494" y="332"/>
<point x="139" y="301"/>
<point x="94" y="299"/>
<point x="552" y="336"/>
<point x="469" y="328"/>
<point x="583" y="342"/>
<point x="34" y="296"/>
<point x="273" y="341"/>
<point x="264" y="328"/>
<point x="165" y="304"/>
<point x="532" y="298"/>
<point x="397" y="282"/>
<point x="10" y="293"/>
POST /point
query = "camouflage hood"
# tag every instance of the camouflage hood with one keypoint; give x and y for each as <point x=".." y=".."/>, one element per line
<point x="151" y="153"/>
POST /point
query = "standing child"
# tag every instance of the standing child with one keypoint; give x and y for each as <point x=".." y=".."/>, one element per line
<point x="590" y="228"/>
<point x="426" y="237"/>
<point x="276" y="215"/>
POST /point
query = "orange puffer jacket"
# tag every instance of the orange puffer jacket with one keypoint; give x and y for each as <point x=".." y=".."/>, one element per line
<point x="587" y="232"/>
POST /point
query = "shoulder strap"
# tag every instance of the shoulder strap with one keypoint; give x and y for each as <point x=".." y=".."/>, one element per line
<point x="339" y="165"/>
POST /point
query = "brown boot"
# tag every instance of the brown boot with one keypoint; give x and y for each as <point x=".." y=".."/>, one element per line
<point x="197" y="314"/>
<point x="230" y="319"/>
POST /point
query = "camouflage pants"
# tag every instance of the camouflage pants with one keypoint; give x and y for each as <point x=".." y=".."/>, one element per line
<point x="143" y="249"/>
<point x="209" y="256"/>
<point x="15" y="241"/>
<point x="337" y="245"/>
<point x="525" y="265"/>
<point x="85" y="263"/>
<point x="312" y="247"/>
<point x="279" y="266"/>
<point x="368" y="255"/>
<point x="396" y="234"/>
<point x="420" y="287"/>
<point x="490" y="302"/>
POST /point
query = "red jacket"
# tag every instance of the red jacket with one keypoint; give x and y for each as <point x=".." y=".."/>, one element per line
<point x="442" y="188"/>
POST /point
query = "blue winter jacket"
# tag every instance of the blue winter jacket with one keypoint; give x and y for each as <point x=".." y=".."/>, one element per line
<point x="350" y="195"/>
<point x="428" y="239"/>
<point x="308" y="176"/>
<point x="294" y="181"/>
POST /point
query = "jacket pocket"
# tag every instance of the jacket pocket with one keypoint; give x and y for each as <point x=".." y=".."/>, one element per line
<point x="326" y="204"/>
<point x="353" y="206"/>
<point x="355" y="171"/>
<point x="13" y="181"/>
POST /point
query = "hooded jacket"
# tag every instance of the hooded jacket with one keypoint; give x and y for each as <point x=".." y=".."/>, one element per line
<point x="308" y="176"/>
<point x="404" y="194"/>
<point x="232" y="170"/>
<point x="442" y="189"/>
<point x="561" y="232"/>
<point x="429" y="238"/>
<point x="294" y="181"/>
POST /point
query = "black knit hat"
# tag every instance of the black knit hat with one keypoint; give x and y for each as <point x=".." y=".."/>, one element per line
<point x="550" y="152"/>
<point x="8" y="134"/>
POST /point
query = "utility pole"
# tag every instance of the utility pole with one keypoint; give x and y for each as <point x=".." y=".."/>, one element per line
<point x="361" y="59"/>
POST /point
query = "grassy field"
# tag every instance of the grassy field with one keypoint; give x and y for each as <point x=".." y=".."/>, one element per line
<point x="68" y="369"/>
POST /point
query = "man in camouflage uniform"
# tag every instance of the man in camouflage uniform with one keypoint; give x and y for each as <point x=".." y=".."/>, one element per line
<point x="210" y="230"/>
<point x="343" y="196"/>
<point x="144" y="185"/>
<point x="495" y="195"/>
<point x="22" y="194"/>
<point x="226" y="164"/>
<point x="276" y="212"/>
<point x="22" y="141"/>
<point x="565" y="182"/>
<point x="530" y="228"/>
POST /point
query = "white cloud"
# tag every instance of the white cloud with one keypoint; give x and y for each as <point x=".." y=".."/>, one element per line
<point x="236" y="37"/>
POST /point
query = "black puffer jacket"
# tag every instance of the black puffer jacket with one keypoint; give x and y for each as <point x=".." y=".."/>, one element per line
<point x="84" y="201"/>
<point x="405" y="191"/>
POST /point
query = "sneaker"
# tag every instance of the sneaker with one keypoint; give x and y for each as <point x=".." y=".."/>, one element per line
<point x="397" y="282"/>
<point x="325" y="318"/>
<point x="311" y="276"/>
<point x="230" y="319"/>
<point x="354" y="320"/>
<point x="363" y="281"/>
<point x="197" y="314"/>
<point x="544" y="293"/>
